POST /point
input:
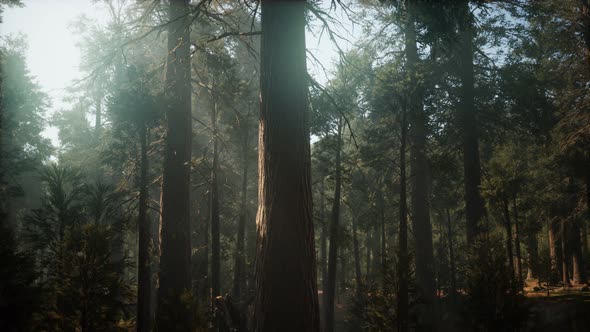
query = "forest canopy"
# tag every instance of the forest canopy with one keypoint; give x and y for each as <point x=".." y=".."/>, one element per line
<point x="424" y="167"/>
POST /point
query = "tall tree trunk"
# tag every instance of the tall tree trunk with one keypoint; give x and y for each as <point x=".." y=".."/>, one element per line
<point x="508" y="227"/>
<point x="518" y="262"/>
<point x="240" y="263"/>
<point x="173" y="314"/>
<point x="334" y="232"/>
<point x="553" y="252"/>
<point x="368" y="253"/>
<point x="342" y="276"/>
<point x="214" y="211"/>
<point x="424" y="251"/>
<point x="532" y="256"/>
<point x="402" y="296"/>
<point x="578" y="273"/>
<point x="286" y="285"/>
<point x="383" y="241"/>
<point x="474" y="204"/>
<point x="565" y="276"/>
<point x="451" y="256"/>
<point x="357" y="258"/>
<point x="585" y="249"/>
<point x="324" y="239"/>
<point x="144" y="279"/>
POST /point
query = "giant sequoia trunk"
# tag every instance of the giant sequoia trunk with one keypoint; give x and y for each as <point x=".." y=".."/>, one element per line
<point x="424" y="254"/>
<point x="144" y="279"/>
<point x="286" y="290"/>
<point x="173" y="314"/>
<point x="334" y="231"/>
<point x="474" y="204"/>
<point x="214" y="211"/>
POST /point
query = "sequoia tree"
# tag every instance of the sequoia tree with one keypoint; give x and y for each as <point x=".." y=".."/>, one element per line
<point x="286" y="286"/>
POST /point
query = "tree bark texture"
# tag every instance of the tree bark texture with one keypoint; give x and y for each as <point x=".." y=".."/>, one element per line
<point x="286" y="287"/>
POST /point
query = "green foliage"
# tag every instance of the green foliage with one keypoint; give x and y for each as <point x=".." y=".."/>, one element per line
<point x="19" y="294"/>
<point x="76" y="238"/>
<point x="85" y="286"/>
<point x="22" y="111"/>
<point x="492" y="303"/>
<point x="375" y="309"/>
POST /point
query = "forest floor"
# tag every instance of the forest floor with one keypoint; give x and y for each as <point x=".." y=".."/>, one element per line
<point x="558" y="308"/>
<point x="563" y="309"/>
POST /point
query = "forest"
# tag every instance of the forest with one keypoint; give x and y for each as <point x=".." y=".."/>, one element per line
<point x="435" y="176"/>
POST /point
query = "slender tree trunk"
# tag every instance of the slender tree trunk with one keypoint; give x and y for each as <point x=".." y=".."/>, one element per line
<point x="214" y="210"/>
<point x="323" y="240"/>
<point x="240" y="263"/>
<point x="368" y="254"/>
<point x="585" y="249"/>
<point x="402" y="296"/>
<point x="424" y="251"/>
<point x="508" y="227"/>
<point x="383" y="241"/>
<point x="342" y="276"/>
<point x="555" y="252"/>
<point x="357" y="258"/>
<point x="206" y="255"/>
<point x="286" y="285"/>
<point x="451" y="256"/>
<point x="376" y="251"/>
<point x="474" y="204"/>
<point x="532" y="256"/>
<point x="334" y="232"/>
<point x="517" y="243"/>
<point x="565" y="276"/>
<point x="578" y="273"/>
<point x="173" y="313"/>
<point x="144" y="279"/>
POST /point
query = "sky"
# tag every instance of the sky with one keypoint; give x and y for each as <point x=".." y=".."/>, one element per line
<point x="53" y="58"/>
